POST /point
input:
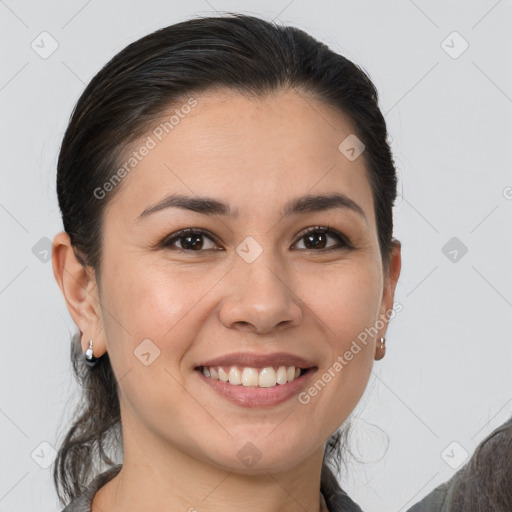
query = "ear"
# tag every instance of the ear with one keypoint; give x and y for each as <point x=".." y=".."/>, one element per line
<point x="78" y="285"/>
<point x="390" y="281"/>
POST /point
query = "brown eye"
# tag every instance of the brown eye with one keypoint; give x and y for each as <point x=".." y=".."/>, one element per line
<point x="189" y="239"/>
<point x="316" y="239"/>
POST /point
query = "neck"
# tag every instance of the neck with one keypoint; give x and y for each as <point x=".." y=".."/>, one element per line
<point x="155" y="477"/>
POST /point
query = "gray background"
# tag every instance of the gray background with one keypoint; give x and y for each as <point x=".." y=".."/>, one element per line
<point x="447" y="373"/>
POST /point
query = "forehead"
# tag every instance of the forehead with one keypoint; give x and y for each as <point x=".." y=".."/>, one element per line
<point x="248" y="151"/>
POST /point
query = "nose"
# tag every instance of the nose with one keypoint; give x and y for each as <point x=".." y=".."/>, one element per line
<point x="260" y="297"/>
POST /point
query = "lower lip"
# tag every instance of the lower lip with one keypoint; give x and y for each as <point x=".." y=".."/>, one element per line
<point x="252" y="396"/>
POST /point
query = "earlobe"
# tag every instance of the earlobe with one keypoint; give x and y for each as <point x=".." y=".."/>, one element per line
<point x="78" y="286"/>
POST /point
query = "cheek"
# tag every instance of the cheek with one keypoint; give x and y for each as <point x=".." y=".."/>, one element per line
<point x="345" y="301"/>
<point x="353" y="344"/>
<point x="165" y="305"/>
<point x="346" y="306"/>
<point x="149" y="329"/>
<point x="149" y="298"/>
<point x="139" y="304"/>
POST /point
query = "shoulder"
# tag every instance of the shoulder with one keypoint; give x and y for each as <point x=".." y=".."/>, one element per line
<point x="83" y="502"/>
<point x="336" y="498"/>
<point x="436" y="501"/>
<point x="442" y="498"/>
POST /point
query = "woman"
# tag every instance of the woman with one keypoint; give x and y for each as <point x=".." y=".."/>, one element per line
<point x="226" y="188"/>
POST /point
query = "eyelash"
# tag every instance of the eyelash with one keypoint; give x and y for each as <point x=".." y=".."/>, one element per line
<point x="343" y="240"/>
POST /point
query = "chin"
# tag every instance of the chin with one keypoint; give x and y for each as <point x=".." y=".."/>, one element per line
<point x="262" y="455"/>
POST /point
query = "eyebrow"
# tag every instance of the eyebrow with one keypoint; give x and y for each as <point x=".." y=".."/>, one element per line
<point x="298" y="205"/>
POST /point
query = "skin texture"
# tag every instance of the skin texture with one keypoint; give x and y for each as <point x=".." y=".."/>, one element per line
<point x="180" y="437"/>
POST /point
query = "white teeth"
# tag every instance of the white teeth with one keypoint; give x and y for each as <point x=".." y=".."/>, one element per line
<point x="234" y="376"/>
<point x="281" y="376"/>
<point x="250" y="377"/>
<point x="223" y="376"/>
<point x="267" y="377"/>
<point x="253" y="377"/>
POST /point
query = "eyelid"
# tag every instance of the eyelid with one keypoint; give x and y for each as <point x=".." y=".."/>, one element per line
<point x="343" y="239"/>
<point x="166" y="242"/>
<point x="329" y="231"/>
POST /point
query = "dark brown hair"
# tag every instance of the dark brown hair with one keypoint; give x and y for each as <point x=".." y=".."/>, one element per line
<point x="234" y="51"/>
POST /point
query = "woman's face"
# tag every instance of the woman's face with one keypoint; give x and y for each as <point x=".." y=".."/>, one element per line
<point x="250" y="284"/>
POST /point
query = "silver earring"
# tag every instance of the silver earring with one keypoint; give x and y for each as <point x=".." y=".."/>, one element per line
<point x="89" y="357"/>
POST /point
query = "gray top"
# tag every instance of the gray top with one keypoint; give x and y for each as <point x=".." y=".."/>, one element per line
<point x="335" y="498"/>
<point x="439" y="500"/>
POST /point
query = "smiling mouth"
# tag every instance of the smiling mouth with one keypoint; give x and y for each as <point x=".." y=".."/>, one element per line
<point x="264" y="377"/>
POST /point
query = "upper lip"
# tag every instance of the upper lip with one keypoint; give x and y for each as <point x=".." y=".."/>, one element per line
<point x="258" y="360"/>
